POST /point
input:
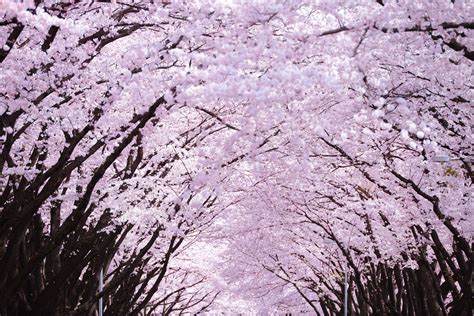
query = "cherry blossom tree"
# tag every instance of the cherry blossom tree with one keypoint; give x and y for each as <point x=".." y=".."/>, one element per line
<point x="367" y="193"/>
<point x="97" y="170"/>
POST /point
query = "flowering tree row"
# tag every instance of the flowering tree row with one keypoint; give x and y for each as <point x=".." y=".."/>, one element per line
<point x="303" y="131"/>
<point x="353" y="186"/>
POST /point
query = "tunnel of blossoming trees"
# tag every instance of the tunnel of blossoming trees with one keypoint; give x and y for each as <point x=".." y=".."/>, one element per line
<point x="241" y="157"/>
